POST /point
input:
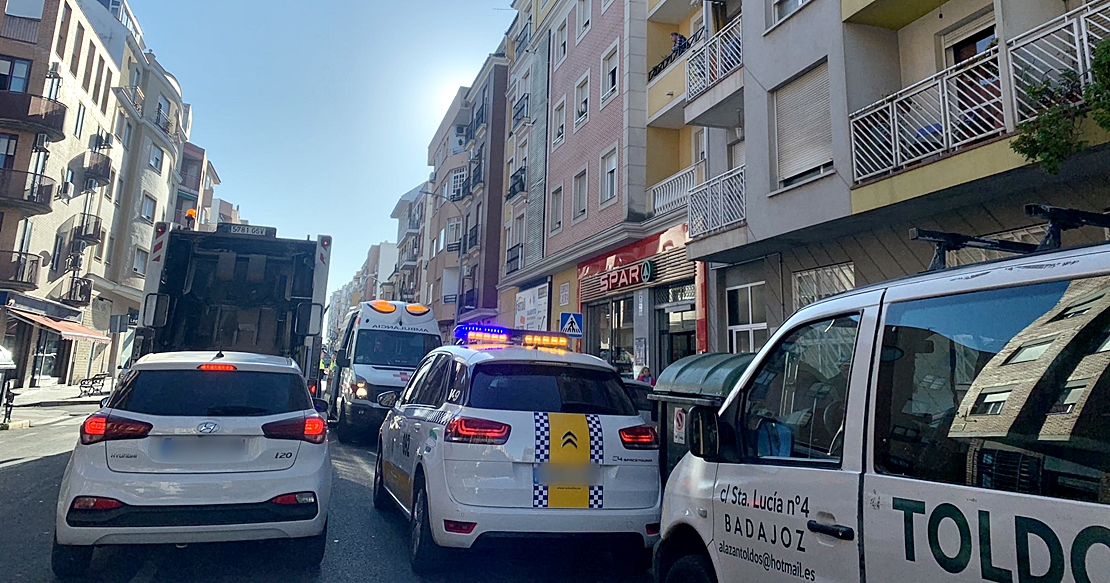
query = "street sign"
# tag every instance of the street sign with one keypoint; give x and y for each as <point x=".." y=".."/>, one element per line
<point x="570" y="323"/>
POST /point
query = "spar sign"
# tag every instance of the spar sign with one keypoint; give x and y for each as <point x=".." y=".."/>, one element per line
<point x="631" y="275"/>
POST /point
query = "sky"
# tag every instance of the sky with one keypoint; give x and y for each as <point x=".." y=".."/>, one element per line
<point x="317" y="115"/>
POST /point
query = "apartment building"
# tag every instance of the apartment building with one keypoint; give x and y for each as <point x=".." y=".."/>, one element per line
<point x="196" y="191"/>
<point x="381" y="260"/>
<point x="482" y="200"/>
<point x="833" y="127"/>
<point x="405" y="281"/>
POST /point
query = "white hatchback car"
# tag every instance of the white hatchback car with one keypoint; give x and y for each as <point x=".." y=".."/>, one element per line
<point x="197" y="447"/>
<point x="508" y="439"/>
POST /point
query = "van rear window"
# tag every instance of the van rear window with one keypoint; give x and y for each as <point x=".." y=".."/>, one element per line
<point x="196" y="393"/>
<point x="548" y="389"/>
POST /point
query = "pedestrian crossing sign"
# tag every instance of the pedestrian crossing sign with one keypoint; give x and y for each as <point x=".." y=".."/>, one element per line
<point x="570" y="323"/>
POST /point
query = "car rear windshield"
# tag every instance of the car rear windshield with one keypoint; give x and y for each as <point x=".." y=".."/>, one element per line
<point x="548" y="389"/>
<point x="195" y="393"/>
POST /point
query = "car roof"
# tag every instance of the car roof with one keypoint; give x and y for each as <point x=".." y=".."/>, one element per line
<point x="188" y="360"/>
<point x="479" y="353"/>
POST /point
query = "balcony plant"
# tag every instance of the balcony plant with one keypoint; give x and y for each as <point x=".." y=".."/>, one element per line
<point x="1097" y="92"/>
<point x="1053" y="136"/>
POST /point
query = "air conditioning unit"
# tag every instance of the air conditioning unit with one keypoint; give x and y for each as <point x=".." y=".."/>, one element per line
<point x="74" y="262"/>
<point x="90" y="184"/>
<point x="105" y="141"/>
<point x="67" y="190"/>
<point x="432" y="176"/>
<point x="41" y="141"/>
<point x="475" y="155"/>
<point x="55" y="70"/>
<point x="460" y="130"/>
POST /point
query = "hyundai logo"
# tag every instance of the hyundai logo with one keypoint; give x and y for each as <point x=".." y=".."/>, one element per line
<point x="208" y="427"/>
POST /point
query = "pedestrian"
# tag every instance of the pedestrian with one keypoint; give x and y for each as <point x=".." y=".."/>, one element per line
<point x="679" y="44"/>
<point x="645" y="376"/>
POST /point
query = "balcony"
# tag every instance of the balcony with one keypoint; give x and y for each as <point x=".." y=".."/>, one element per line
<point x="523" y="38"/>
<point x="472" y="239"/>
<point x="454" y="247"/>
<point x="412" y="227"/>
<point x="469" y="301"/>
<point x="408" y="260"/>
<point x="98" y="167"/>
<point x="78" y="292"/>
<point x="710" y="100"/>
<point x="19" y="271"/>
<point x="133" y="96"/>
<point x="165" y="123"/>
<point x="718" y="204"/>
<point x="477" y="177"/>
<point x="33" y="114"/>
<point x="479" y="120"/>
<point x="191" y="182"/>
<point x="450" y="298"/>
<point x="87" y="228"/>
<point x="674" y="55"/>
<point x="517" y="182"/>
<point x="30" y="193"/>
<point x="670" y="194"/>
<point x="520" y="110"/>
<point x="468" y="137"/>
<point x="514" y="259"/>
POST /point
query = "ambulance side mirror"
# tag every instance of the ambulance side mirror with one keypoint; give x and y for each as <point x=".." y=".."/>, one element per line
<point x="703" y="433"/>
<point x="341" y="359"/>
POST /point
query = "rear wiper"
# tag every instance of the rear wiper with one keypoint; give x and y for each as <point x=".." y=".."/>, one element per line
<point x="233" y="410"/>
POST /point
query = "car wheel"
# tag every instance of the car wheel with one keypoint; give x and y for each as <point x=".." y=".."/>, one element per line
<point x="692" y="569"/>
<point x="381" y="497"/>
<point x="70" y="561"/>
<point x="424" y="554"/>
<point x="308" y="552"/>
<point x="343" y="429"/>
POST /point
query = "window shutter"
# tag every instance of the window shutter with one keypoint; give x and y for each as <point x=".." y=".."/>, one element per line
<point x="737" y="154"/>
<point x="804" y="124"/>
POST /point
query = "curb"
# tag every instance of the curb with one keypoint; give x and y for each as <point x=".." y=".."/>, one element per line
<point x="63" y="403"/>
<point x="25" y="424"/>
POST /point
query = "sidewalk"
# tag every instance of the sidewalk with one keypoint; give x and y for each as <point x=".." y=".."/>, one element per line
<point x="57" y="396"/>
<point x="36" y="417"/>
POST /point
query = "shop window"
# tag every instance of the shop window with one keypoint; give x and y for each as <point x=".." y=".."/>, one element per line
<point x="747" y="318"/>
<point x="610" y="333"/>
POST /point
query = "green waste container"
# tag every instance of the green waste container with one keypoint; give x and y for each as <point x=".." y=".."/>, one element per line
<point x="701" y="379"/>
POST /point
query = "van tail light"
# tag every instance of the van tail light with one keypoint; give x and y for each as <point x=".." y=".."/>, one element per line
<point x="476" y="431"/>
<point x="95" y="503"/>
<point x="639" y="437"/>
<point x="102" y="427"/>
<point x="310" y="428"/>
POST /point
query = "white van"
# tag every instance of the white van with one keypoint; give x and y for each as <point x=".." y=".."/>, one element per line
<point x="949" y="426"/>
<point x="382" y="343"/>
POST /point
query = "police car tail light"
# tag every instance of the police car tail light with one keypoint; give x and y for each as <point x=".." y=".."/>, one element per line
<point x="639" y="437"/>
<point x="476" y="431"/>
<point x="383" y="307"/>
<point x="311" y="428"/>
<point x="95" y="503"/>
<point x="458" y="527"/>
<point x="100" y="427"/>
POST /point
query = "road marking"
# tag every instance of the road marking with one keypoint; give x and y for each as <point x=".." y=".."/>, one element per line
<point x="147" y="573"/>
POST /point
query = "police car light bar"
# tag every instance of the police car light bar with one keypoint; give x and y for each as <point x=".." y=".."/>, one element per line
<point x="478" y="334"/>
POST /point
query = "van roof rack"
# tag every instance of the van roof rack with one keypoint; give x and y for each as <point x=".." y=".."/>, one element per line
<point x="1059" y="220"/>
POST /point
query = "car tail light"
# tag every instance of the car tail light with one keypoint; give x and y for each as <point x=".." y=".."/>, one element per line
<point x="217" y="367"/>
<point x="95" y="503"/>
<point x="459" y="527"/>
<point x="101" y="427"/>
<point x="652" y="529"/>
<point x="477" y="431"/>
<point x="312" y="388"/>
<point x="639" y="437"/>
<point x="311" y="428"/>
<point x="292" y="499"/>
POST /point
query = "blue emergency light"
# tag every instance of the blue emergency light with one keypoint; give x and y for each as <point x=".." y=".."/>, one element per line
<point x="482" y="334"/>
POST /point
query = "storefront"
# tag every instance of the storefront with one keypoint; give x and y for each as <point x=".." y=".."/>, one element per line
<point x="43" y="337"/>
<point x="639" y="302"/>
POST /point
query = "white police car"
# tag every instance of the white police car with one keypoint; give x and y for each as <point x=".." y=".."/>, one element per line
<point x="197" y="447"/>
<point x="511" y="435"/>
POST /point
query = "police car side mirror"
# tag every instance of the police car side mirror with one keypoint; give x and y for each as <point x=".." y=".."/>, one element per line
<point x="703" y="433"/>
<point x="104" y="402"/>
<point x="388" y="399"/>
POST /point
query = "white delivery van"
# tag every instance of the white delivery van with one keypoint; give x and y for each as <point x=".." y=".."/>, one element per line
<point x="950" y="426"/>
<point x="382" y="343"/>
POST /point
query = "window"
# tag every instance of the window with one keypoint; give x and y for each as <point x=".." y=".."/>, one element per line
<point x="107" y="91"/>
<point x="454" y="230"/>
<point x="609" y="176"/>
<point x="561" y="43"/>
<point x="156" y="155"/>
<point x="747" y="318"/>
<point x="198" y="393"/>
<point x="56" y="260"/>
<point x="795" y="406"/>
<point x="560" y="122"/>
<point x="163" y="105"/>
<point x="737" y="154"/>
<point x="99" y="81"/>
<point x="119" y="190"/>
<point x="150" y="206"/>
<point x="141" y="257"/>
<point x="63" y="32"/>
<point x="69" y="177"/>
<point x="388" y="348"/>
<point x="784" y="8"/>
<point x="1082" y="306"/>
<point x="126" y="135"/>
<point x="109" y="186"/>
<point x="90" y="59"/>
<point x="609" y="66"/>
<point x="556" y="211"/>
<point x="804" y="127"/>
<point x="950" y="408"/>
<point x="99" y="253"/>
<point x="969" y="40"/>
<point x="698" y="144"/>
<point x="14" y="74"/>
<point x="1031" y="351"/>
<point x="79" y="126"/>
<point x="551" y="389"/>
<point x="119" y="126"/>
<point x="75" y="58"/>
<point x="582" y="100"/>
<point x="581" y="194"/>
<point x="458" y="183"/>
<point x="815" y="284"/>
<point x="110" y="249"/>
<point x="8" y="145"/>
<point x="584" y="11"/>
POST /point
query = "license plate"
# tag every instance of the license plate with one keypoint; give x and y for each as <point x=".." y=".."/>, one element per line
<point x="202" y="447"/>
<point x="566" y="474"/>
<point x="247" y="230"/>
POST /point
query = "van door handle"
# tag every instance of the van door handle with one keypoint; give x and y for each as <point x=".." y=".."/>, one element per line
<point x="833" y="530"/>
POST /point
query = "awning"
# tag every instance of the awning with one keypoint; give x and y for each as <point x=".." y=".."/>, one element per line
<point x="68" y="330"/>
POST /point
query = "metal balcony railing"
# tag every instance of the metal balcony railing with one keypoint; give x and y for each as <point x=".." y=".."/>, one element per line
<point x="520" y="110"/>
<point x="98" y="167"/>
<point x="134" y="96"/>
<point x="675" y="55"/>
<point x="670" y="194"/>
<point x="78" y="292"/>
<point x="513" y="259"/>
<point x="472" y="238"/>
<point x="722" y="54"/>
<point x="19" y="270"/>
<point x="718" y="203"/>
<point x="454" y="247"/>
<point x="469" y="135"/>
<point x="523" y="37"/>
<point x="517" y="182"/>
<point x="477" y="177"/>
<point x="479" y="117"/>
<point x="32" y="192"/>
<point x="87" y="228"/>
<point x="190" y="181"/>
<point x="33" y="113"/>
<point x="450" y="298"/>
<point x="469" y="301"/>
<point x="164" y="122"/>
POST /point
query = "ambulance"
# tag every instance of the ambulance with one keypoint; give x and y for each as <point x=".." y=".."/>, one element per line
<point x="381" y="345"/>
<point x="950" y="426"/>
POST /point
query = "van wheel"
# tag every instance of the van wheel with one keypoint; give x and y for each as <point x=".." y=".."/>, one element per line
<point x="69" y="561"/>
<point x="381" y="498"/>
<point x="692" y="569"/>
<point x="425" y="555"/>
<point x="343" y="429"/>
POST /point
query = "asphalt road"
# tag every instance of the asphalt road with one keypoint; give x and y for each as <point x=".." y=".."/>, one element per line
<point x="366" y="545"/>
